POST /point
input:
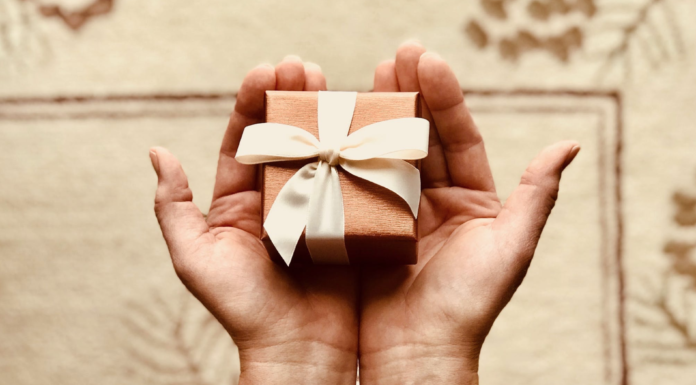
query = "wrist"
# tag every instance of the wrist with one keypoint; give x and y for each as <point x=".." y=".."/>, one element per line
<point x="419" y="364"/>
<point x="308" y="362"/>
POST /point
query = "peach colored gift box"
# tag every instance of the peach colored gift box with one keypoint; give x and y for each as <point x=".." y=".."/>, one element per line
<point x="379" y="226"/>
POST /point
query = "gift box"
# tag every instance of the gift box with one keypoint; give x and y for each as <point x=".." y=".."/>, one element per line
<point x="379" y="226"/>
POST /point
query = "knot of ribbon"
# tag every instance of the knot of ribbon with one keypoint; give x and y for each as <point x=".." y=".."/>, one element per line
<point x="311" y="200"/>
<point x="329" y="155"/>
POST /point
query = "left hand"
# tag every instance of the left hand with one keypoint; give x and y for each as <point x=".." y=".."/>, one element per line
<point x="425" y="324"/>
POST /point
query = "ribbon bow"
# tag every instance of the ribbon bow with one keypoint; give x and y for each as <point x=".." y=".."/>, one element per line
<point x="312" y="197"/>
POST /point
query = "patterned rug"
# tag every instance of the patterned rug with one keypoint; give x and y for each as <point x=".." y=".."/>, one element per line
<point x="87" y="291"/>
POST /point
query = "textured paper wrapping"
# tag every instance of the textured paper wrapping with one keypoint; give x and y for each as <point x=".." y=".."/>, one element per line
<point x="379" y="227"/>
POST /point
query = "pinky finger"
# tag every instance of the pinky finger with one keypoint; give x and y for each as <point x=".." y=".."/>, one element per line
<point x="385" y="77"/>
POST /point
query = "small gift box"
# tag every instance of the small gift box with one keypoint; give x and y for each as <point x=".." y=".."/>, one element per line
<point x="339" y="175"/>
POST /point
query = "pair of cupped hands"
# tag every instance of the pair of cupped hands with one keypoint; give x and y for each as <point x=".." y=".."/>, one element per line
<point x="424" y="323"/>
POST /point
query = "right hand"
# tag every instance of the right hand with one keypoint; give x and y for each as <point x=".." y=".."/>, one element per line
<point x="291" y="325"/>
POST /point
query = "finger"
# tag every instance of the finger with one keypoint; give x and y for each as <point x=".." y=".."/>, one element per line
<point x="181" y="221"/>
<point x="385" y="77"/>
<point x="433" y="167"/>
<point x="524" y="215"/>
<point x="314" y="78"/>
<point x="290" y="74"/>
<point x="406" y="66"/>
<point x="462" y="143"/>
<point x="233" y="177"/>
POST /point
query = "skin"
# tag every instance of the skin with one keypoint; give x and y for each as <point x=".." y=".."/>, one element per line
<point x="291" y="325"/>
<point x="420" y="324"/>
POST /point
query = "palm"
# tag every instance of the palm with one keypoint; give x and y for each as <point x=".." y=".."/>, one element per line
<point x="453" y="284"/>
<point x="312" y="302"/>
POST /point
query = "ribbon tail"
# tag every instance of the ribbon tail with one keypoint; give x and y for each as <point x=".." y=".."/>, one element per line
<point x="325" y="222"/>
<point x="394" y="174"/>
<point x="288" y="215"/>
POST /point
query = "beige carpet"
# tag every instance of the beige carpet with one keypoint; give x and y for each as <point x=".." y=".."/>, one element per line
<point x="87" y="292"/>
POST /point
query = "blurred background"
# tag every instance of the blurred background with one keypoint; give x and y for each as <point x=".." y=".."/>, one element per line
<point x="87" y="291"/>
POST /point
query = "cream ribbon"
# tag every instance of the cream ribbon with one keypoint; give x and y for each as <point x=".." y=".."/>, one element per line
<point x="312" y="197"/>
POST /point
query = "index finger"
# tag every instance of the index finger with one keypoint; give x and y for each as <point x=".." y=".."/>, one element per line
<point x="461" y="140"/>
<point x="233" y="177"/>
<point x="434" y="167"/>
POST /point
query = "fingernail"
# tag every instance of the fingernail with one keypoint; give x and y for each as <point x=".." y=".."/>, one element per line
<point x="155" y="161"/>
<point x="312" y="66"/>
<point x="571" y="155"/>
<point x="265" y="65"/>
<point x="292" y="58"/>
<point x="431" y="54"/>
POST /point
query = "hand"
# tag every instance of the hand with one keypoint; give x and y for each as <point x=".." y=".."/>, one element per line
<point x="426" y="323"/>
<point x="291" y="325"/>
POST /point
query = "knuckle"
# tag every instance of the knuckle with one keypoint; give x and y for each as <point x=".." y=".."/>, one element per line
<point x="541" y="182"/>
<point x="165" y="195"/>
<point x="159" y="209"/>
<point x="529" y="177"/>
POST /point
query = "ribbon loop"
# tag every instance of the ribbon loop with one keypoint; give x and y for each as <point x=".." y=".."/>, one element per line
<point x="273" y="142"/>
<point x="312" y="200"/>
<point x="405" y="138"/>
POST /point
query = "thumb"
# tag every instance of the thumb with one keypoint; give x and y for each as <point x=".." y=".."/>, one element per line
<point x="182" y="223"/>
<point x="525" y="212"/>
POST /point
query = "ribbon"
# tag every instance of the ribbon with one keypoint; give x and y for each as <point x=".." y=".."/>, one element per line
<point x="311" y="200"/>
